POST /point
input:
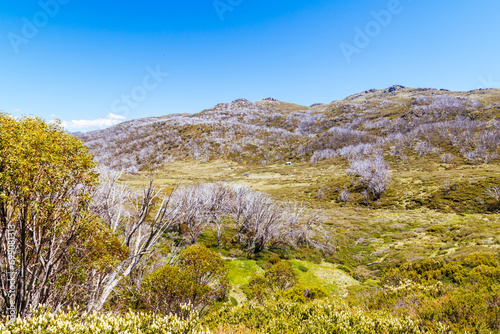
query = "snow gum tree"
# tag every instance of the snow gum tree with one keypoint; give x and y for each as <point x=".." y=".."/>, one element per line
<point x="48" y="235"/>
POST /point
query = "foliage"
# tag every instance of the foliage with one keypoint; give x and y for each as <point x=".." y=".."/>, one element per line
<point x="300" y="294"/>
<point x="302" y="268"/>
<point x="318" y="316"/>
<point x="278" y="278"/>
<point x="74" y="322"/>
<point x="281" y="276"/>
<point x="462" y="293"/>
<point x="472" y="308"/>
<point x="275" y="316"/>
<point x="236" y="253"/>
<point x="46" y="181"/>
<point x="477" y="267"/>
<point x="274" y="258"/>
<point x="199" y="278"/>
<point x="258" y="288"/>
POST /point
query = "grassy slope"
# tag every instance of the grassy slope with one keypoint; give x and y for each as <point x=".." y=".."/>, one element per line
<point x="323" y="275"/>
<point x="415" y="220"/>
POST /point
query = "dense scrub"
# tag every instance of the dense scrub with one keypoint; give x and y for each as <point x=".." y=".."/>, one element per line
<point x="387" y="221"/>
<point x="461" y="292"/>
<point x="275" y="317"/>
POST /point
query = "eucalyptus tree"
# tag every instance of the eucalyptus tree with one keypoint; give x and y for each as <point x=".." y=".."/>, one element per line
<point x="48" y="233"/>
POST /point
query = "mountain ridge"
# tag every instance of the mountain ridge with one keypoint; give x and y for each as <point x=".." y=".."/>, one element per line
<point x="268" y="131"/>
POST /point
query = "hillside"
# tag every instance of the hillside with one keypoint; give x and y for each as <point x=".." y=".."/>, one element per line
<point x="396" y="119"/>
<point x="405" y="184"/>
<point x="440" y="148"/>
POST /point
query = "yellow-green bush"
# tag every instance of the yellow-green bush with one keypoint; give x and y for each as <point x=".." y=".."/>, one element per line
<point x="101" y="323"/>
<point x="472" y="268"/>
<point x="274" y="317"/>
<point x="464" y="294"/>
<point x="281" y="276"/>
<point x="473" y="309"/>
<point x="199" y="278"/>
<point x="302" y="295"/>
<point x="319" y="316"/>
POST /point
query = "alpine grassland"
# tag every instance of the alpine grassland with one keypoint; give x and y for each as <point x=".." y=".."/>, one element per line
<point x="378" y="213"/>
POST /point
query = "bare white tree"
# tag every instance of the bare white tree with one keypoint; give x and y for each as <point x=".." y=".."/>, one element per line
<point x="303" y="225"/>
<point x="200" y="206"/>
<point x="344" y="195"/>
<point x="447" y="158"/>
<point x="373" y="173"/>
<point x="494" y="192"/>
<point x="423" y="148"/>
<point x="140" y="230"/>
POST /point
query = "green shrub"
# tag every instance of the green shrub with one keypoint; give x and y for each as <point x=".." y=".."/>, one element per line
<point x="345" y="268"/>
<point x="474" y="267"/>
<point x="258" y="288"/>
<point x="436" y="228"/>
<point x="302" y="295"/>
<point x="274" y="258"/>
<point x="236" y="253"/>
<point x="284" y="316"/>
<point x="315" y="293"/>
<point x="198" y="279"/>
<point x="281" y="276"/>
<point x="478" y="258"/>
<point x="276" y="279"/>
<point x="473" y="309"/>
<point x="362" y="273"/>
<point x="263" y="264"/>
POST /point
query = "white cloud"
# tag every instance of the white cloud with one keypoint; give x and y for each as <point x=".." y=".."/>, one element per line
<point x="111" y="119"/>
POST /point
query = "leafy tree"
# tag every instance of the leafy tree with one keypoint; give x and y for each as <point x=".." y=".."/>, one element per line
<point x="198" y="278"/>
<point x="258" y="288"/>
<point x="281" y="276"/>
<point x="278" y="278"/>
<point x="204" y="265"/>
<point x="165" y="290"/>
<point x="46" y="180"/>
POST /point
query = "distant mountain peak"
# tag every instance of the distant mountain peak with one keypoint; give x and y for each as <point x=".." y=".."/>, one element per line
<point x="242" y="101"/>
<point x="267" y="131"/>
<point x="394" y="89"/>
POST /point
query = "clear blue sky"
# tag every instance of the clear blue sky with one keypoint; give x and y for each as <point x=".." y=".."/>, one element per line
<point x="86" y="56"/>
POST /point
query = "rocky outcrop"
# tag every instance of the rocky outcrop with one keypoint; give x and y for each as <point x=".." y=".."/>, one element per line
<point x="394" y="89"/>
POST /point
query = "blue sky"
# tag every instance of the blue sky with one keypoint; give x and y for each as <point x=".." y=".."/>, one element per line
<point x="95" y="63"/>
